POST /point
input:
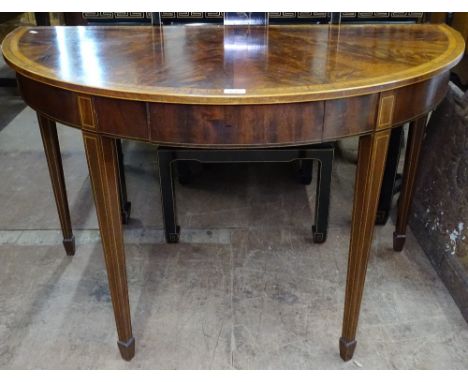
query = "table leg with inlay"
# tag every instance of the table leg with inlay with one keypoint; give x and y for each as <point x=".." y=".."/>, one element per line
<point x="369" y="174"/>
<point x="101" y="153"/>
<point x="415" y="139"/>
<point x="51" y="144"/>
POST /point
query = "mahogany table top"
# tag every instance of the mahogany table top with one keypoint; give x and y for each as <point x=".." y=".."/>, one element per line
<point x="217" y="65"/>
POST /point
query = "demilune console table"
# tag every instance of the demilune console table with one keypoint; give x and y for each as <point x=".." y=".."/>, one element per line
<point x="224" y="87"/>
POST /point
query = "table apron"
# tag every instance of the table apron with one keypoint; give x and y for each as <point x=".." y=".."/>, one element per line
<point x="235" y="126"/>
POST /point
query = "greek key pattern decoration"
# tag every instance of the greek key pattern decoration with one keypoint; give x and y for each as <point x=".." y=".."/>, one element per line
<point x="298" y="15"/>
<point x="117" y="16"/>
<point x="381" y="16"/>
<point x="192" y="15"/>
<point x="281" y="17"/>
<point x="145" y="17"/>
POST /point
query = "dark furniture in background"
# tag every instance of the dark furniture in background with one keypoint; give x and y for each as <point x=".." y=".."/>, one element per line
<point x="323" y="154"/>
<point x="7" y="80"/>
<point x="167" y="156"/>
<point x="167" y="18"/>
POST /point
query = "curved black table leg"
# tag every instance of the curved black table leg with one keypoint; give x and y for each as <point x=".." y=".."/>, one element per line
<point x="389" y="183"/>
<point x="184" y="173"/>
<point x="125" y="205"/>
<point x="166" y="181"/>
<point x="305" y="171"/>
<point x="322" y="198"/>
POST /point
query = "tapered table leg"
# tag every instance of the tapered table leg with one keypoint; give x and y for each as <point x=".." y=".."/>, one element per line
<point x="415" y="138"/>
<point x="101" y="153"/>
<point x="54" y="161"/>
<point x="369" y="174"/>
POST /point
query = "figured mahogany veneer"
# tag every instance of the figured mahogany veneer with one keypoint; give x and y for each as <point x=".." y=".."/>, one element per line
<point x="227" y="126"/>
<point x="227" y="87"/>
<point x="196" y="65"/>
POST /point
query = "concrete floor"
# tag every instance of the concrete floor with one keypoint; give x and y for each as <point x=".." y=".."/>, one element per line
<point x="245" y="288"/>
